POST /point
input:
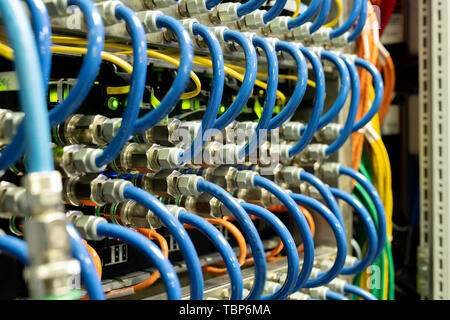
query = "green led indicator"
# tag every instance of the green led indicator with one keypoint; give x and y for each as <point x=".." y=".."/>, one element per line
<point x="222" y="109"/>
<point x="113" y="103"/>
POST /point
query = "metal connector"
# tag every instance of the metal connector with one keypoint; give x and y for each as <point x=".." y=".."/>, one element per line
<point x="302" y="32"/>
<point x="187" y="184"/>
<point x="52" y="270"/>
<point x="341" y="41"/>
<point x="337" y="285"/>
<point x="279" y="25"/>
<point x="44" y="192"/>
<point x="255" y="19"/>
<point x="113" y="190"/>
<point x="11" y="122"/>
<point x="148" y="19"/>
<point x="84" y="160"/>
<point x="246" y="179"/>
<point x="175" y="210"/>
<point x="86" y="225"/>
<point x="329" y="133"/>
<point x="322" y="36"/>
<point x="329" y="170"/>
<point x="107" y="10"/>
<point x="227" y="12"/>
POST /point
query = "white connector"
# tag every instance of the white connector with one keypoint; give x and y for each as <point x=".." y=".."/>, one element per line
<point x="302" y="32"/>
<point x="227" y="12"/>
<point x="340" y="41"/>
<point x="255" y="19"/>
<point x="84" y="160"/>
<point x="107" y="10"/>
<point x="322" y="36"/>
<point x="279" y="25"/>
<point x="148" y="19"/>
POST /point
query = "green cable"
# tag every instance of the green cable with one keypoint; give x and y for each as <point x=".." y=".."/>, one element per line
<point x="391" y="292"/>
<point x="365" y="199"/>
<point x="379" y="263"/>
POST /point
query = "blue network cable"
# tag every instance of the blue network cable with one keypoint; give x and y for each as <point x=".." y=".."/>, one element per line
<point x="248" y="229"/>
<point x="178" y="232"/>
<point x="289" y="245"/>
<point x="357" y="291"/>
<point x="344" y="88"/>
<point x="77" y="94"/>
<point x="312" y="9"/>
<point x="360" y="25"/>
<point x="43" y="34"/>
<point x="354" y="14"/>
<point x="251" y="68"/>
<point x="339" y="233"/>
<point x="364" y="215"/>
<point x="35" y="125"/>
<point x="331" y="295"/>
<point x="151" y="252"/>
<point x="212" y="3"/>
<point x="318" y="103"/>
<point x="222" y="245"/>
<point x="216" y="92"/>
<point x="275" y="11"/>
<point x="249" y="7"/>
<point x="302" y="224"/>
<point x="14" y="247"/>
<point x="270" y="99"/>
<point x="365" y="183"/>
<point x="18" y="248"/>
<point x="181" y="80"/>
<point x="346" y="131"/>
<point x="89" y="274"/>
<point x="379" y="92"/>
<point x="325" y="192"/>
<point x="300" y="88"/>
<point x="322" y="17"/>
<point x="137" y="86"/>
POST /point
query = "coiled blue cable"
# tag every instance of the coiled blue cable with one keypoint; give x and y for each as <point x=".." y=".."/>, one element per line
<point x="364" y="215"/>
<point x="150" y="251"/>
<point x="251" y="68"/>
<point x="354" y="14"/>
<point x="178" y="232"/>
<point x="318" y="103"/>
<point x="331" y="295"/>
<point x="275" y="11"/>
<point x="325" y="192"/>
<point x="249" y="7"/>
<point x="379" y="92"/>
<point x="222" y="245"/>
<point x="322" y="17"/>
<point x="181" y="80"/>
<point x="300" y="88"/>
<point x="357" y="291"/>
<point x="289" y="245"/>
<point x="249" y="231"/>
<point x="360" y="25"/>
<point x="346" y="131"/>
<point x="344" y="88"/>
<point x="339" y="233"/>
<point x="35" y="126"/>
<point x="313" y="7"/>
<point x="365" y="183"/>
<point x="216" y="92"/>
<point x="77" y="94"/>
<point x="89" y="274"/>
<point x="15" y="247"/>
<point x="269" y="101"/>
<point x="43" y="34"/>
<point x="302" y="224"/>
<point x="137" y="86"/>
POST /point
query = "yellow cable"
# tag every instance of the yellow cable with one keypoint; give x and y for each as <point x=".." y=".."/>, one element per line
<point x="6" y="52"/>
<point x="281" y="76"/>
<point x="338" y="15"/>
<point x="158" y="54"/>
<point x="297" y="10"/>
<point x="151" y="53"/>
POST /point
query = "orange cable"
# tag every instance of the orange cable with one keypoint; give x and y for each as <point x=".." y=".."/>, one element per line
<point x="152" y="235"/>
